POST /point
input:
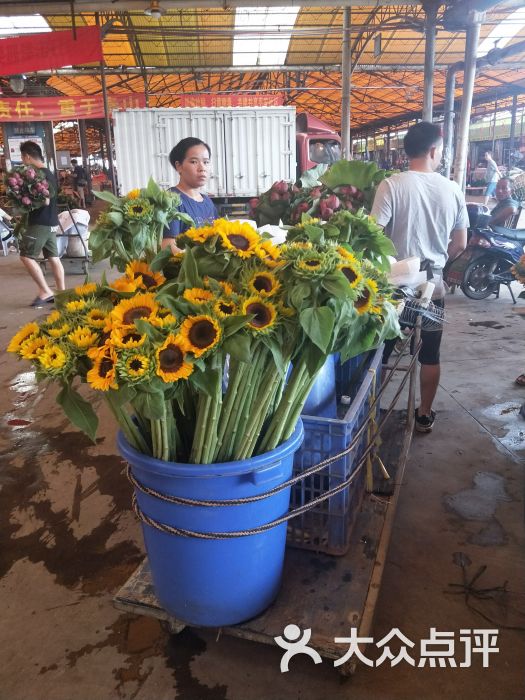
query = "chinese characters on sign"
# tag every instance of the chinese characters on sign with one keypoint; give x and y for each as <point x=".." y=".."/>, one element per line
<point x="233" y="100"/>
<point x="44" y="109"/>
<point x="439" y="649"/>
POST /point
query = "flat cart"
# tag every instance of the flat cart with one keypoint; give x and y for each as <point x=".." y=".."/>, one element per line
<point x="328" y="595"/>
<point x="72" y="224"/>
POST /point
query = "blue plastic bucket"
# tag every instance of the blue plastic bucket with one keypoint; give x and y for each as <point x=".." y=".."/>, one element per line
<point x="220" y="581"/>
<point x="322" y="400"/>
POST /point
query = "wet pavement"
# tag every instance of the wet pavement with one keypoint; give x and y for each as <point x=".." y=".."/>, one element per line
<point x="68" y="541"/>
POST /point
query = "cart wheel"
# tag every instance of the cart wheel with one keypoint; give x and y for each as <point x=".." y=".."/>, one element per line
<point x="172" y="626"/>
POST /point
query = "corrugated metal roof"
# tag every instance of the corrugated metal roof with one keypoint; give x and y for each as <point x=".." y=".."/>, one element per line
<point x="198" y="39"/>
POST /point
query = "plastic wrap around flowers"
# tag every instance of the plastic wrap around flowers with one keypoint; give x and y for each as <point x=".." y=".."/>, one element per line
<point x="193" y="352"/>
<point x="27" y="188"/>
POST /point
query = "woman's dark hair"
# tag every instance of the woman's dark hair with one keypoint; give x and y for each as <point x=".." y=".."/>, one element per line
<point x="420" y="138"/>
<point x="178" y="152"/>
<point x="31" y="149"/>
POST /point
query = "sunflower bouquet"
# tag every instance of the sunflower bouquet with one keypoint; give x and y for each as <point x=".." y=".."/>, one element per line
<point x="209" y="356"/>
<point x="131" y="227"/>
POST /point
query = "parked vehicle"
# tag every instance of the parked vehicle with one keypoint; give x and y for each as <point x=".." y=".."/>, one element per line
<point x="486" y="263"/>
<point x="251" y="147"/>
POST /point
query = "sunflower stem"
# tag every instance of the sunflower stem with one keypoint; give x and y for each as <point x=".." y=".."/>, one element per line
<point x="165" y="438"/>
<point x="200" y="429"/>
<point x="236" y="373"/>
<point x="251" y="395"/>
<point x="214" y="412"/>
<point x="128" y="427"/>
<point x="278" y="423"/>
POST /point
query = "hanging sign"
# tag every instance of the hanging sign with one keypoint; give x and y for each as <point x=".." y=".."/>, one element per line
<point x="45" y="109"/>
<point x="233" y="100"/>
<point x="24" y="54"/>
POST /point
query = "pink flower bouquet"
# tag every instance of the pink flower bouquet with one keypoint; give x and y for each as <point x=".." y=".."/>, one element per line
<point x="27" y="188"/>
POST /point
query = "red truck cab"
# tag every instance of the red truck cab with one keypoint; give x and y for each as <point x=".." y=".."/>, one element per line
<point x="316" y="143"/>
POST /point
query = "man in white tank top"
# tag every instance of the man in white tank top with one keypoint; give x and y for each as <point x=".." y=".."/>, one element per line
<point x="425" y="215"/>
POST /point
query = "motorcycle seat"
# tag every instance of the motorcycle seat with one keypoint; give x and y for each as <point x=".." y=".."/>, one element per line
<point x="513" y="234"/>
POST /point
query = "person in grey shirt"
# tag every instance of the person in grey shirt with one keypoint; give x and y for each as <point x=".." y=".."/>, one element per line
<point x="425" y="216"/>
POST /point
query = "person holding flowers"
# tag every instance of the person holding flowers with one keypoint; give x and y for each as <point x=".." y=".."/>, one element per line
<point x="191" y="159"/>
<point x="42" y="219"/>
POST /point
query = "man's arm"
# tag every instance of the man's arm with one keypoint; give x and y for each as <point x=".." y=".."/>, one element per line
<point x="382" y="206"/>
<point x="458" y="242"/>
<point x="499" y="218"/>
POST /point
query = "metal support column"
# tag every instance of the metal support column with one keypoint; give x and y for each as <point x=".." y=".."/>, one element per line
<point x="107" y="121"/>
<point x="512" y="139"/>
<point x="346" y="77"/>
<point x="430" y="60"/>
<point x="84" y="150"/>
<point x="471" y="47"/>
<point x="494" y="124"/>
<point x="448" y="117"/>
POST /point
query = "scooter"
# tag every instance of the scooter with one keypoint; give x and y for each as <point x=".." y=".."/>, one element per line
<point x="486" y="262"/>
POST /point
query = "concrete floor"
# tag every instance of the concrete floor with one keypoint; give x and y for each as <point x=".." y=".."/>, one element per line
<point x="69" y="541"/>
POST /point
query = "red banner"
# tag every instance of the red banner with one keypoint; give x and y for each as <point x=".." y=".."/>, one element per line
<point x="24" y="54"/>
<point x="233" y="100"/>
<point x="45" y="109"/>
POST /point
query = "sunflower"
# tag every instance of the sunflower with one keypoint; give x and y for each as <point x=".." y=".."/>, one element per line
<point x="134" y="367"/>
<point x="83" y="337"/>
<point x="140" y="306"/>
<point x="263" y="311"/>
<point x="32" y="347"/>
<point x="365" y="301"/>
<point x="309" y="222"/>
<point x="102" y="375"/>
<point x="224" y="308"/>
<point x="347" y="255"/>
<point x="313" y="264"/>
<point x="164" y="321"/>
<point x="200" y="334"/>
<point x="263" y="283"/>
<point x="127" y="338"/>
<point x="171" y="360"/>
<point x="241" y="239"/>
<point x="269" y="253"/>
<point x="76" y="305"/>
<point x="139" y="209"/>
<point x="84" y="290"/>
<point x="96" y="318"/>
<point x="126" y="285"/>
<point x="351" y="273"/>
<point x="145" y="277"/>
<point x="196" y="295"/>
<point x="201" y="235"/>
<point x="59" y="331"/>
<point x="53" y="359"/>
<point x="23" y="334"/>
<point x="133" y="194"/>
<point x="53" y="317"/>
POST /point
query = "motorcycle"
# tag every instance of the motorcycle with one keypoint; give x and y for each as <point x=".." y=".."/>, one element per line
<point x="486" y="262"/>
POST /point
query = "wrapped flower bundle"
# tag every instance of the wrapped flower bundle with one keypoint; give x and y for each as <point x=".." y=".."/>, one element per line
<point x="27" y="188"/>
<point x="210" y="356"/>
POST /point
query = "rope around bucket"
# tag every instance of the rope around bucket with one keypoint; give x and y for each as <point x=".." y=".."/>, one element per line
<point x="169" y="529"/>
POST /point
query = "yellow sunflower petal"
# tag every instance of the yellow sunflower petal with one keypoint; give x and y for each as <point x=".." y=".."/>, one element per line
<point x="172" y="363"/>
<point x="25" y="332"/>
<point x="200" y="333"/>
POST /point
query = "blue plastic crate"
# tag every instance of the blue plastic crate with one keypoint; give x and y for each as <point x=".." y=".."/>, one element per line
<point x="327" y="526"/>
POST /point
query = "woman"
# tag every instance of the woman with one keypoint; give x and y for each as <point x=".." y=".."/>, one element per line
<point x="191" y="159"/>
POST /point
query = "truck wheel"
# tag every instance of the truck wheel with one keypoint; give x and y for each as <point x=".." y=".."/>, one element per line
<point x="476" y="280"/>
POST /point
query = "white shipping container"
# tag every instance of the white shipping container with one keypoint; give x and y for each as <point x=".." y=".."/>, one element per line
<point x="251" y="147"/>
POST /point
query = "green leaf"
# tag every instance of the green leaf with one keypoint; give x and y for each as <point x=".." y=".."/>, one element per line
<point x="160" y="259"/>
<point x="107" y="197"/>
<point x="336" y="284"/>
<point x="116" y="217"/>
<point x="277" y="353"/>
<point x="124" y="395"/>
<point x="358" y="173"/>
<point x="318" y="324"/>
<point x="299" y="293"/>
<point x="150" y="331"/>
<point x="152" y="189"/>
<point x="314" y="358"/>
<point x="239" y="347"/>
<point x="150" y="404"/>
<point x="190" y="271"/>
<point x="310" y="178"/>
<point x="232" y="324"/>
<point x="185" y="218"/>
<point x="78" y="410"/>
<point x="206" y="381"/>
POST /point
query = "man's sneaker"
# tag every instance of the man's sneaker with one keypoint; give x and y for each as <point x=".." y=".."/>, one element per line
<point x="424" y="424"/>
